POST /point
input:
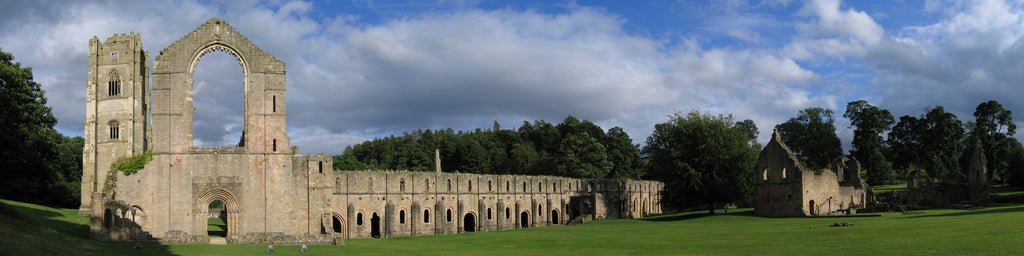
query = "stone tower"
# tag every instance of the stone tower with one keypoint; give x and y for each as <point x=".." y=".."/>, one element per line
<point x="116" y="121"/>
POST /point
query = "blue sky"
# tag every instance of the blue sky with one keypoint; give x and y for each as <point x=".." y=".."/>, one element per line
<point x="364" y="69"/>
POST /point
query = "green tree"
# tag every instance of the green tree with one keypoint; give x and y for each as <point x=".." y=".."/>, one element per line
<point x="703" y="159"/>
<point x="582" y="156"/>
<point x="992" y="125"/>
<point x="933" y="142"/>
<point x="868" y="143"/>
<point x="624" y="155"/>
<point x="35" y="157"/>
<point x="1015" y="163"/>
<point x="812" y="135"/>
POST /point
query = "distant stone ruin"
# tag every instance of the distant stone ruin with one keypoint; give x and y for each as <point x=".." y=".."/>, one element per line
<point x="955" y="190"/>
<point x="784" y="188"/>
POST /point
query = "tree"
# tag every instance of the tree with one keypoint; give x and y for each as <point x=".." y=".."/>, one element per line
<point x="582" y="156"/>
<point x="623" y="154"/>
<point x="812" y="135"/>
<point x="701" y="158"/>
<point x="868" y="144"/>
<point x="1015" y="163"/>
<point x="39" y="164"/>
<point x="933" y="142"/>
<point x="992" y="125"/>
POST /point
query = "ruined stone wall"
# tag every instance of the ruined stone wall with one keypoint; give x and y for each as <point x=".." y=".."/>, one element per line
<point x="783" y="188"/>
<point x="273" y="194"/>
<point x="492" y="202"/>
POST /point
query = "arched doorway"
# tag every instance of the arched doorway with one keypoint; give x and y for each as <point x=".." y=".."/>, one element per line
<point x="230" y="214"/>
<point x="554" y="217"/>
<point x="810" y="207"/>
<point x="524" y="219"/>
<point x="338" y="225"/>
<point x="108" y="219"/>
<point x="217" y="222"/>
<point x="469" y="223"/>
<point x="375" y="226"/>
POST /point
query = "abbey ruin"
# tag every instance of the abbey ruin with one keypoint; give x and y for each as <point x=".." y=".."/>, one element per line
<point x="271" y="193"/>
<point x="784" y="188"/>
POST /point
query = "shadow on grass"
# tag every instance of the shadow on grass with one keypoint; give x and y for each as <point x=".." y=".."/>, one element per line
<point x="695" y="215"/>
<point x="974" y="212"/>
<point x="45" y="230"/>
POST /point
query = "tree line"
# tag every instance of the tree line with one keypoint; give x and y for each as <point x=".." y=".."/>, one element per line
<point x="573" y="148"/>
<point x="39" y="165"/>
<point x="935" y="144"/>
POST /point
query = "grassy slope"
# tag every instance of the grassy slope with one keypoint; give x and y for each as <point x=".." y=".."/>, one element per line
<point x="993" y="231"/>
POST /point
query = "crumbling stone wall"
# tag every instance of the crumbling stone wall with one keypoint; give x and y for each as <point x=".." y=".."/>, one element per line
<point x="784" y="188"/>
<point x="271" y="193"/>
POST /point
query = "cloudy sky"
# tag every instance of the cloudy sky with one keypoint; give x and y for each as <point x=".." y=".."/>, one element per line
<point x="364" y="69"/>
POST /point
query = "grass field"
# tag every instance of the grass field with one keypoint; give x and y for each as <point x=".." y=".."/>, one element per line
<point x="27" y="229"/>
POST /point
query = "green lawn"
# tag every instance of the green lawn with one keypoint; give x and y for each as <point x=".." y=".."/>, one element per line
<point x="217" y="228"/>
<point x="997" y="230"/>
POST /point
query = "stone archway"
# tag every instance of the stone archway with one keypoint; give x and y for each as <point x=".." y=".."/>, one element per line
<point x="469" y="222"/>
<point x="375" y="226"/>
<point x="230" y="209"/>
<point x="524" y="219"/>
<point x="554" y="217"/>
<point x="264" y="81"/>
<point x="338" y="225"/>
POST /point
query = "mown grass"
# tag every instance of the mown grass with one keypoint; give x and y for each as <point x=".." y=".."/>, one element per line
<point x="217" y="228"/>
<point x="997" y="230"/>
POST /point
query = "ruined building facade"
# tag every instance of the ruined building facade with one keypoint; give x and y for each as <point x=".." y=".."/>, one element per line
<point x="784" y="188"/>
<point x="271" y="193"/>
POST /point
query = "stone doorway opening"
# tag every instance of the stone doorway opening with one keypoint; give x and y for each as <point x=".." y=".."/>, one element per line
<point x="469" y="223"/>
<point x="338" y="225"/>
<point x="375" y="226"/>
<point x="554" y="217"/>
<point x="524" y="219"/>
<point x="217" y="221"/>
<point x="810" y="208"/>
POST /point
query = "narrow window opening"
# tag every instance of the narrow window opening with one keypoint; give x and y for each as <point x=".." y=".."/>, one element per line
<point x="114" y="130"/>
<point x="449" y="215"/>
<point x="783" y="173"/>
<point x="426" y="216"/>
<point x="274" y="145"/>
<point x="113" y="56"/>
<point x="427" y="182"/>
<point x="274" y="104"/>
<point x="321" y="166"/>
<point x="508" y="214"/>
<point x="114" y="85"/>
<point x="488" y="213"/>
<point x="401" y="185"/>
<point x="470" y="185"/>
<point x="449" y="185"/>
<point x="764" y="174"/>
<point x="401" y="217"/>
<point x="359" y="219"/>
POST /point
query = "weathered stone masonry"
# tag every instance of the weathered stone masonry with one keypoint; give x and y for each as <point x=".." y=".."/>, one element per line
<point x="272" y="193"/>
<point x="784" y="188"/>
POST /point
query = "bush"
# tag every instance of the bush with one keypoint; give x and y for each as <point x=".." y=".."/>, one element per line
<point x="132" y="165"/>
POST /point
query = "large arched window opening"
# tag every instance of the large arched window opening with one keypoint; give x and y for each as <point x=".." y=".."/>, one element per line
<point x="218" y="96"/>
